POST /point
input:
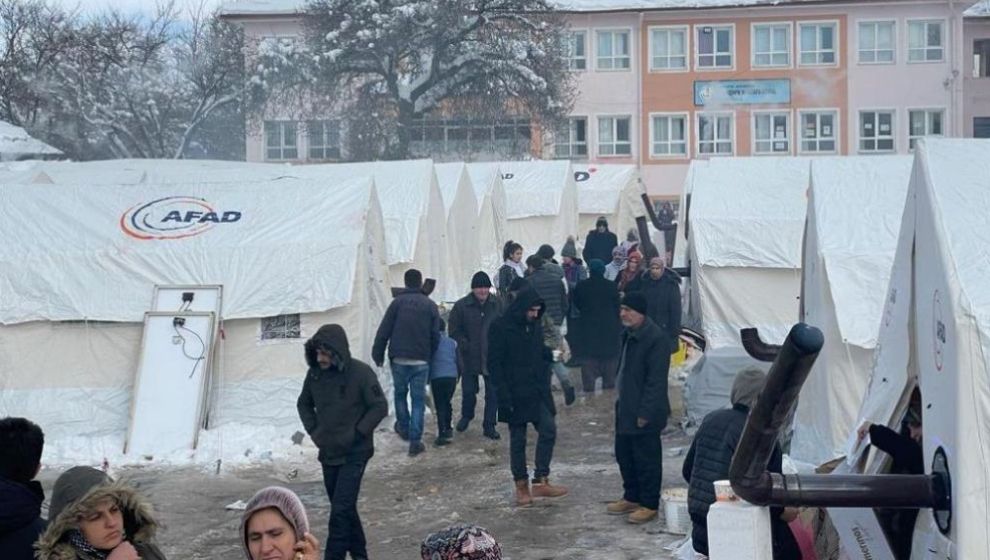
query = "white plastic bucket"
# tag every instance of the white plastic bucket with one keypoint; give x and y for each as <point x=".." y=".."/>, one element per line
<point x="675" y="510"/>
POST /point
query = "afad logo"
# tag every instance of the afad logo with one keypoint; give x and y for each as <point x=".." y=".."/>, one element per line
<point x="173" y="217"/>
<point x="582" y="176"/>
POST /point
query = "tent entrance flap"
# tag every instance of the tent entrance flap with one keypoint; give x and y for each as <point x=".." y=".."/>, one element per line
<point x="170" y="382"/>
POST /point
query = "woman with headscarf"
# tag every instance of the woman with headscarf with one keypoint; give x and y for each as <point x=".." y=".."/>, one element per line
<point x="91" y="517"/>
<point x="275" y="527"/>
<point x="629" y="278"/>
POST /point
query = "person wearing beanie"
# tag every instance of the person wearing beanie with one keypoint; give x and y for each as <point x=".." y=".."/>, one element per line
<point x="547" y="253"/>
<point x="598" y="330"/>
<point x="710" y="455"/>
<point x="444" y="371"/>
<point x="600" y="242"/>
<point x="274" y="526"/>
<point x="616" y="264"/>
<point x="340" y="405"/>
<point x="461" y="542"/>
<point x="551" y="288"/>
<point x="411" y="331"/>
<point x="574" y="269"/>
<point x="512" y="267"/>
<point x="91" y="517"/>
<point x="662" y="288"/>
<point x="470" y="319"/>
<point x="641" y="411"/>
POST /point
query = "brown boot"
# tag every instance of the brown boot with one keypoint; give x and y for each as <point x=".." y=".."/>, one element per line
<point x="642" y="515"/>
<point x="621" y="507"/>
<point x="523" y="497"/>
<point x="543" y="489"/>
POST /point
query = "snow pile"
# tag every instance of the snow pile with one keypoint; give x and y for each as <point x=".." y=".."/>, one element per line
<point x="15" y="143"/>
<point x="980" y="9"/>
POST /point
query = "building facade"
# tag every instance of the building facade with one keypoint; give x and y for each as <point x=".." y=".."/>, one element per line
<point x="660" y="85"/>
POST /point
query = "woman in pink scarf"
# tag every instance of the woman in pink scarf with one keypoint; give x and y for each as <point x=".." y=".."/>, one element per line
<point x="628" y="279"/>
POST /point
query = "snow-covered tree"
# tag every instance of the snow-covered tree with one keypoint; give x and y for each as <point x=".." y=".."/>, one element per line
<point x="404" y="60"/>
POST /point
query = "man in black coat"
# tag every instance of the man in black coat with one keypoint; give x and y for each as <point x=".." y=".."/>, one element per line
<point x="711" y="454"/>
<point x="21" y="444"/>
<point x="598" y="329"/>
<point x="519" y="363"/>
<point x="599" y="242"/>
<point x="411" y="330"/>
<point x="340" y="406"/>
<point x="641" y="412"/>
<point x="469" y="322"/>
<point x="662" y="288"/>
<point x="549" y="286"/>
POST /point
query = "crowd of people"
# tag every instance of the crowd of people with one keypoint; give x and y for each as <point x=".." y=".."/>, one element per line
<point x="601" y="312"/>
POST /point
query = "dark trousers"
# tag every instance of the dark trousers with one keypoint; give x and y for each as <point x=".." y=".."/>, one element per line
<point x="592" y="369"/>
<point x="343" y="483"/>
<point x="546" y="436"/>
<point x="639" y="458"/>
<point x="443" y="392"/>
<point x="470" y="385"/>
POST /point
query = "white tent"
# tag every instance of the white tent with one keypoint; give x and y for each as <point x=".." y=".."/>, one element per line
<point x="493" y="226"/>
<point x="78" y="272"/>
<point x="609" y="190"/>
<point x="415" y="228"/>
<point x="17" y="144"/>
<point x="854" y="218"/>
<point x="683" y="223"/>
<point x="461" y="207"/>
<point x="745" y="223"/>
<point x="936" y="331"/>
<point x="542" y="202"/>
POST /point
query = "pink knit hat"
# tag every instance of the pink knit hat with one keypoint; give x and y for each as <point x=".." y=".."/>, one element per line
<point x="286" y="502"/>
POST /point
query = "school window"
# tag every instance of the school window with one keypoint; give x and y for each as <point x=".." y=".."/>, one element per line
<point x="714" y="46"/>
<point x="925" y="41"/>
<point x="876" y="42"/>
<point x="876" y="131"/>
<point x="613" y="50"/>
<point x="281" y="327"/>
<point x="668" y="48"/>
<point x="924" y="123"/>
<point x="981" y="58"/>
<point x="324" y="139"/>
<point x="772" y="45"/>
<point x="577" y="50"/>
<point x="818" y="134"/>
<point x="669" y="135"/>
<point x="818" y="43"/>
<point x="715" y="134"/>
<point x="614" y="136"/>
<point x="280" y="140"/>
<point x="772" y="133"/>
<point x="572" y="139"/>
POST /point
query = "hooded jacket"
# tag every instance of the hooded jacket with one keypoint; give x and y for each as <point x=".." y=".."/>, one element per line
<point x="519" y="362"/>
<point x="644" y="360"/>
<point x="340" y="407"/>
<point x="663" y="298"/>
<point x="410" y="328"/>
<point x="599" y="245"/>
<point x="77" y="490"/>
<point x="20" y="518"/>
<point x="468" y="324"/>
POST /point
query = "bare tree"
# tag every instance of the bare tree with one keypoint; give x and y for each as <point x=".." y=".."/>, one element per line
<point x="408" y="59"/>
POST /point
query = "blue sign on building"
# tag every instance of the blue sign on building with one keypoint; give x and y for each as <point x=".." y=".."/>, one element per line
<point x="741" y="92"/>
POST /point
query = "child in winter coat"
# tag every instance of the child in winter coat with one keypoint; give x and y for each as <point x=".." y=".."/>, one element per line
<point x="445" y="368"/>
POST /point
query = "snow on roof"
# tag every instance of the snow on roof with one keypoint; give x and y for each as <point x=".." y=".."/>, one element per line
<point x="980" y="9"/>
<point x="858" y="203"/>
<point x="262" y="7"/>
<point x="15" y="141"/>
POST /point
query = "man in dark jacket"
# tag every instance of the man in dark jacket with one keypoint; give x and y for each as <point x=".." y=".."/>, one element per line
<point x="411" y="330"/>
<point x="548" y="286"/>
<point x="641" y="412"/>
<point x="598" y="329"/>
<point x="340" y="406"/>
<point x="519" y="363"/>
<point x="551" y="265"/>
<point x="21" y="444"/>
<point x="662" y="288"/>
<point x="470" y="320"/>
<point x="599" y="242"/>
<point x="711" y="454"/>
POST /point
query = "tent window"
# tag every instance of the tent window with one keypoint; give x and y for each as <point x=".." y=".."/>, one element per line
<point x="280" y="327"/>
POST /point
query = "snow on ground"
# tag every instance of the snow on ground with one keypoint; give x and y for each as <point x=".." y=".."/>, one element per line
<point x="404" y="499"/>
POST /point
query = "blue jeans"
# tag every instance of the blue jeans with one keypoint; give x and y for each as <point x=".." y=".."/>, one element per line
<point x="410" y="380"/>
